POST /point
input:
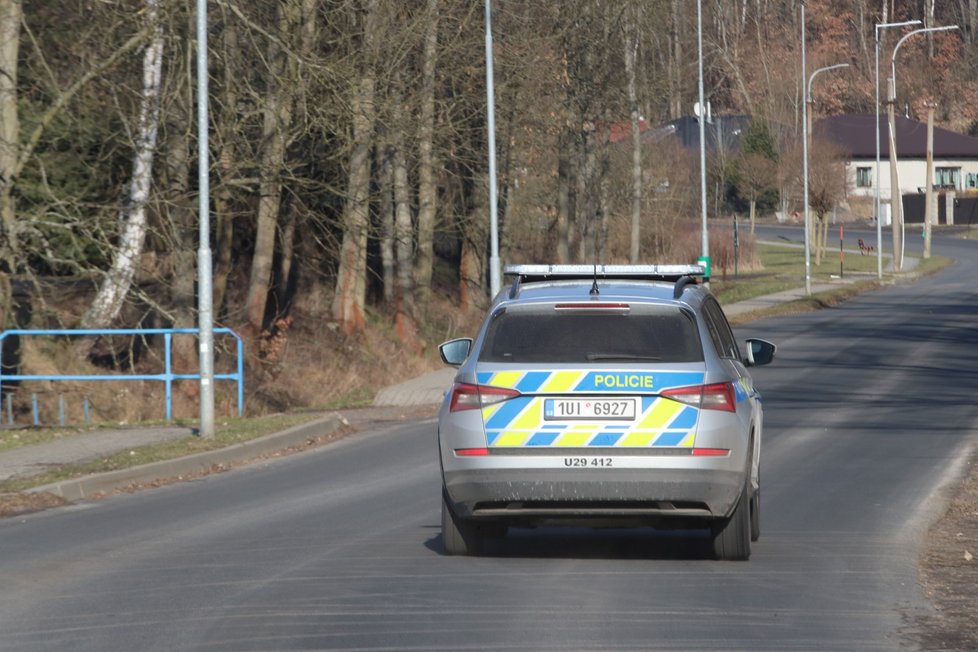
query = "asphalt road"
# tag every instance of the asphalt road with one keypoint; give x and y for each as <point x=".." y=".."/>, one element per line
<point x="869" y="415"/>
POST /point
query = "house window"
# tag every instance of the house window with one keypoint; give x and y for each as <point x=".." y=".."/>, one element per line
<point x="864" y="177"/>
<point x="947" y="177"/>
<point x="971" y="181"/>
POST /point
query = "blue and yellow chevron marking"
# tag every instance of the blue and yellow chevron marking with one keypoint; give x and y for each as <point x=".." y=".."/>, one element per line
<point x="519" y="422"/>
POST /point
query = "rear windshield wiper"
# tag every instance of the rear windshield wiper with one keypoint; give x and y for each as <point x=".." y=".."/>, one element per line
<point x="594" y="357"/>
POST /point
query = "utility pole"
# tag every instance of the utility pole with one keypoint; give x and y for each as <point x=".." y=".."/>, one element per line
<point x="896" y="197"/>
<point x="929" y="217"/>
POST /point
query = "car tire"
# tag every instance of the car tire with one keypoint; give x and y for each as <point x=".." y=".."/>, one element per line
<point x="755" y="515"/>
<point x="459" y="536"/>
<point x="732" y="536"/>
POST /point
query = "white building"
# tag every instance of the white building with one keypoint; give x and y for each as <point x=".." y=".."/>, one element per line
<point x="955" y="157"/>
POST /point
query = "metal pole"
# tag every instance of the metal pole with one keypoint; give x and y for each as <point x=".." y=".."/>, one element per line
<point x="702" y="120"/>
<point x="897" y="198"/>
<point x="876" y="194"/>
<point x="494" y="272"/>
<point x="205" y="288"/>
<point x="804" y="149"/>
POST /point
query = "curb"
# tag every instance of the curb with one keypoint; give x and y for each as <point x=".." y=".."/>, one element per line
<point x="88" y="486"/>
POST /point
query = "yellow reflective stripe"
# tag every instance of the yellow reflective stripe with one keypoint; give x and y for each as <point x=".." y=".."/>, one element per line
<point x="574" y="439"/>
<point x="511" y="438"/>
<point x="688" y="440"/>
<point x="506" y="379"/>
<point x="637" y="438"/>
<point x="662" y="412"/>
<point x="530" y="418"/>
<point x="561" y="381"/>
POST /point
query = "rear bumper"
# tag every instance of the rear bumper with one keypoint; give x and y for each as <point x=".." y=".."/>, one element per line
<point x="598" y="496"/>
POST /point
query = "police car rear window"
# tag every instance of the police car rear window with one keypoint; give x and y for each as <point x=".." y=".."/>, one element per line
<point x="542" y="334"/>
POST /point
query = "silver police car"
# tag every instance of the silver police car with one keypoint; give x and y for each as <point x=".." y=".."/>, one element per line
<point x="610" y="396"/>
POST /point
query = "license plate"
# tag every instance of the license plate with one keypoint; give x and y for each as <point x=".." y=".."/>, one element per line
<point x="563" y="409"/>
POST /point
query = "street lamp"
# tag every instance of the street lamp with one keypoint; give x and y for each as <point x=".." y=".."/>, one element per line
<point x="494" y="275"/>
<point x="205" y="286"/>
<point x="807" y="130"/>
<point x="705" y="257"/>
<point x="896" y="200"/>
<point x="876" y="203"/>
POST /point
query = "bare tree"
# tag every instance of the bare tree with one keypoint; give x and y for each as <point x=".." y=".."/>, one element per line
<point x="112" y="293"/>
<point x="758" y="174"/>
<point x="276" y="123"/>
<point x="10" y="16"/>
<point x="427" y="190"/>
<point x="350" y="297"/>
<point x="826" y="189"/>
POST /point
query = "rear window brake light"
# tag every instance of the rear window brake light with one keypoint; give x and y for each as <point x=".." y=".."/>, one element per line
<point x="592" y="305"/>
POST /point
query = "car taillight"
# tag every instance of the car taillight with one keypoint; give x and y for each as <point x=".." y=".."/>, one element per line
<point x="718" y="396"/>
<point x="475" y="397"/>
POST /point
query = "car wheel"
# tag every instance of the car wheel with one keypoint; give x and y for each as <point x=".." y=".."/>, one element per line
<point x="459" y="536"/>
<point x="755" y="515"/>
<point x="732" y="536"/>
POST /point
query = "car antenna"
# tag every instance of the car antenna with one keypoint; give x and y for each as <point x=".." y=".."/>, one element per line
<point x="594" y="285"/>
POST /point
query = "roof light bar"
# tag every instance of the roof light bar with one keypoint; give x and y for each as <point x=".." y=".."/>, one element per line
<point x="604" y="271"/>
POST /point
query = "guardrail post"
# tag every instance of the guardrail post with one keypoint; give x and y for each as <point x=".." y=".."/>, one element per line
<point x="85" y="410"/>
<point x="168" y="375"/>
<point x="61" y="409"/>
<point x="37" y="419"/>
<point x="10" y="410"/>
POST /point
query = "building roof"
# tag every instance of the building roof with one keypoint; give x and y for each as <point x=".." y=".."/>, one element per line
<point x="722" y="132"/>
<point x="855" y="133"/>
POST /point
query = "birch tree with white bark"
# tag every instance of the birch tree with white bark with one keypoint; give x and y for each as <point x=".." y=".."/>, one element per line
<point x="10" y="17"/>
<point x="115" y="287"/>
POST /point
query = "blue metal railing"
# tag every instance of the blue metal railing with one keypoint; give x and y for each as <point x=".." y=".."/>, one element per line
<point x="166" y="377"/>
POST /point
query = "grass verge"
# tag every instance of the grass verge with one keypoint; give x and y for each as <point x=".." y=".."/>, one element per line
<point x="229" y="432"/>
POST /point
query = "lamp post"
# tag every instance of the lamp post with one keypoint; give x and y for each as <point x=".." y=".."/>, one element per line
<point x="896" y="200"/>
<point x="876" y="184"/>
<point x="807" y="128"/>
<point x="494" y="275"/>
<point x="705" y="257"/>
<point x="804" y="149"/>
<point x="205" y="286"/>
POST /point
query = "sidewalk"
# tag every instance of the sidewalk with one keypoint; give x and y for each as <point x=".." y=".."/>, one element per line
<point x="424" y="391"/>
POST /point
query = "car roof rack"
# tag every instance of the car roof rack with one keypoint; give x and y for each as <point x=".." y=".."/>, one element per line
<point x="682" y="275"/>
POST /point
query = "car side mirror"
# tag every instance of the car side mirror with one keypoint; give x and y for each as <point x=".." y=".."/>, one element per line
<point x="759" y="352"/>
<point x="454" y="352"/>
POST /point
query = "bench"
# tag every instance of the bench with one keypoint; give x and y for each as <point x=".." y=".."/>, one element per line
<point x="865" y="248"/>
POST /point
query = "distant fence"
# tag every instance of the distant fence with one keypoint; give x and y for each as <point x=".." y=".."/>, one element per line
<point x="167" y="376"/>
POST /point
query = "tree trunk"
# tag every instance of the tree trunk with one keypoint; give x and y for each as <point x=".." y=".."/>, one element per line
<point x="631" y="50"/>
<point x="277" y="115"/>
<point x="475" y="252"/>
<point x="350" y="296"/>
<point x="566" y="195"/>
<point x="10" y="17"/>
<point x="385" y="188"/>
<point x="404" y="322"/>
<point x="112" y="293"/>
<point x="589" y="210"/>
<point x="181" y="221"/>
<point x="307" y="30"/>
<point x="227" y="161"/>
<point x="427" y="191"/>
